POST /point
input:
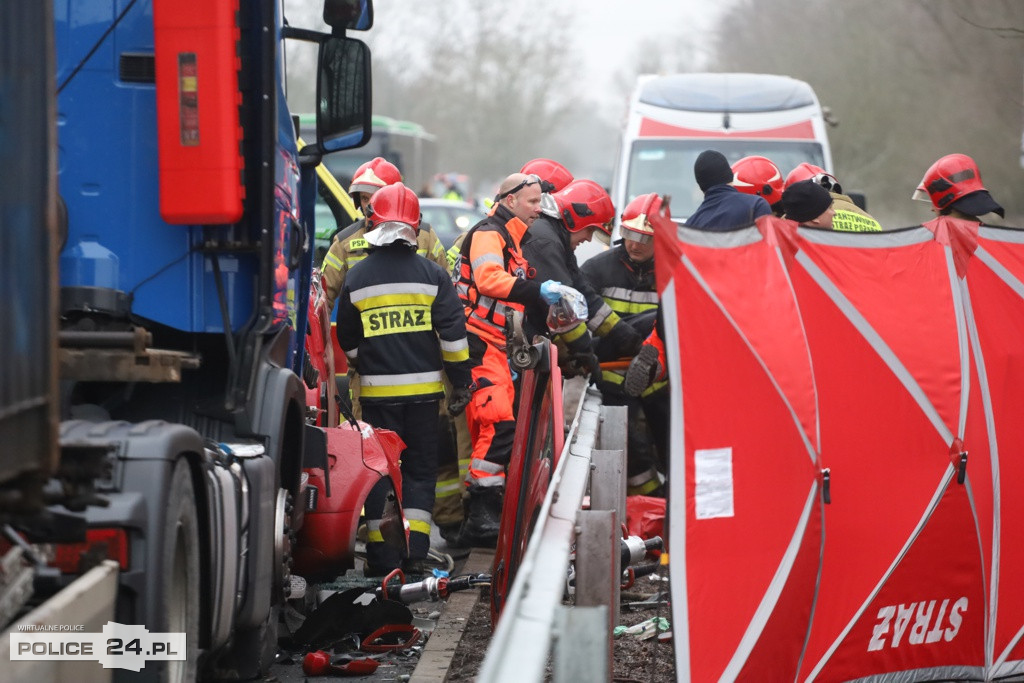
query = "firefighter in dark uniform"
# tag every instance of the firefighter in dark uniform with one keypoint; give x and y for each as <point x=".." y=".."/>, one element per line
<point x="574" y="215"/>
<point x="401" y="324"/>
<point x="349" y="248"/>
<point x="624" y="276"/>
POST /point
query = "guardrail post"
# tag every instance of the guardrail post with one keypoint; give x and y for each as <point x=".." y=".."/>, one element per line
<point x="597" y="552"/>
<point x="582" y="645"/>
<point x="608" y="482"/>
<point x="608" y="492"/>
<point x="614" y="423"/>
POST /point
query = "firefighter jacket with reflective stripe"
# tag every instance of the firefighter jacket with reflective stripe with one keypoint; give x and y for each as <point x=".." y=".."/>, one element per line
<point x="549" y="250"/>
<point x="350" y="247"/>
<point x="493" y="275"/>
<point x="399" y="324"/>
<point x="630" y="290"/>
<point x="628" y="287"/>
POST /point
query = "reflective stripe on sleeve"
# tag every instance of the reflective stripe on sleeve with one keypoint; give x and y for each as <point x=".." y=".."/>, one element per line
<point x="575" y="333"/>
<point x="488" y="258"/>
<point x="603" y="320"/>
<point x="455" y="351"/>
<point x="332" y="261"/>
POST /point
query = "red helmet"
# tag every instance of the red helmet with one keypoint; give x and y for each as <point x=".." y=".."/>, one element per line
<point x="806" y="171"/>
<point x="373" y="175"/>
<point x="393" y="214"/>
<point x="553" y="175"/>
<point x="635" y="223"/>
<point x="760" y="176"/>
<point x="582" y="204"/>
<point x="949" y="179"/>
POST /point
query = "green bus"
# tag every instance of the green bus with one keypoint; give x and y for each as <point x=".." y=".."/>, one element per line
<point x="405" y="144"/>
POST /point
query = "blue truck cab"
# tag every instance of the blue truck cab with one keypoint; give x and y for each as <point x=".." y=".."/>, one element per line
<point x="186" y="232"/>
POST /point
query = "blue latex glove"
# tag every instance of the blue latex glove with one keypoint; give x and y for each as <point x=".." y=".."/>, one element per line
<point x="549" y="292"/>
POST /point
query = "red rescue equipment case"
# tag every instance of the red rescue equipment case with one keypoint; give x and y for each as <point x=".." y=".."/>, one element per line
<point x="198" y="100"/>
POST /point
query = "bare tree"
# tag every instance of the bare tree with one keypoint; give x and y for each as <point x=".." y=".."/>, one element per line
<point x="495" y="84"/>
<point x="908" y="81"/>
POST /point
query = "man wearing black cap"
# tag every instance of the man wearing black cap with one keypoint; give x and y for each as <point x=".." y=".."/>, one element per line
<point x="808" y="203"/>
<point x="724" y="207"/>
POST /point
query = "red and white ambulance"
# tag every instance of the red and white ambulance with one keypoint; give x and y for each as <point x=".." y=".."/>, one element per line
<point x="674" y="118"/>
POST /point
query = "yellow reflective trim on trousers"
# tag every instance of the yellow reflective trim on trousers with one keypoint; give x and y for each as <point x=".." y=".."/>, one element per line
<point x="455" y="356"/>
<point x="446" y="486"/>
<point x="374" y="536"/>
<point x="629" y="307"/>
<point x="396" y="319"/>
<point x="613" y="377"/>
<point x="388" y="391"/>
<point x="643" y="489"/>
<point x="419" y="526"/>
<point x="654" y="387"/>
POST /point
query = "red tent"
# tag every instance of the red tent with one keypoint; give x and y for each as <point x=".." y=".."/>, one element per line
<point x="845" y="406"/>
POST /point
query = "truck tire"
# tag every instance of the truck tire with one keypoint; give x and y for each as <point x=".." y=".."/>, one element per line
<point x="179" y="594"/>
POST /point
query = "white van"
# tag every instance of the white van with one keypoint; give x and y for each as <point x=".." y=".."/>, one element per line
<point x="674" y="118"/>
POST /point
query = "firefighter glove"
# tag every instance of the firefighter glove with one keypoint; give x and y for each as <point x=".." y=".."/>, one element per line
<point x="458" y="400"/>
<point x="584" y="363"/>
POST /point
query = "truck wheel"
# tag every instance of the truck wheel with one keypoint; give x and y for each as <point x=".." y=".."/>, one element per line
<point x="179" y="594"/>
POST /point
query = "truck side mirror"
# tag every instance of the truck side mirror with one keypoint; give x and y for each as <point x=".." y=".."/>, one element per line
<point x="344" y="104"/>
<point x="354" y="15"/>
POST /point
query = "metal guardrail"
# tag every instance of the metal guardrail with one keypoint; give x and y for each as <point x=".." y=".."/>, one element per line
<point x="522" y="641"/>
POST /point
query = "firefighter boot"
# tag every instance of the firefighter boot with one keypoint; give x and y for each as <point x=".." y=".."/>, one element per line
<point x="483" y="518"/>
<point x="643" y="371"/>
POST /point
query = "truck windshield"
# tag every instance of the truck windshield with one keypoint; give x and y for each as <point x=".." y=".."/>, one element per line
<point x="666" y="166"/>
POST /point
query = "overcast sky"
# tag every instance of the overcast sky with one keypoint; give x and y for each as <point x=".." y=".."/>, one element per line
<point x="607" y="27"/>
<point x="607" y="30"/>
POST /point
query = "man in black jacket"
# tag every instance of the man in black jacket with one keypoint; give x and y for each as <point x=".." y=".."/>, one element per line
<point x="577" y="211"/>
<point x="724" y="207"/>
